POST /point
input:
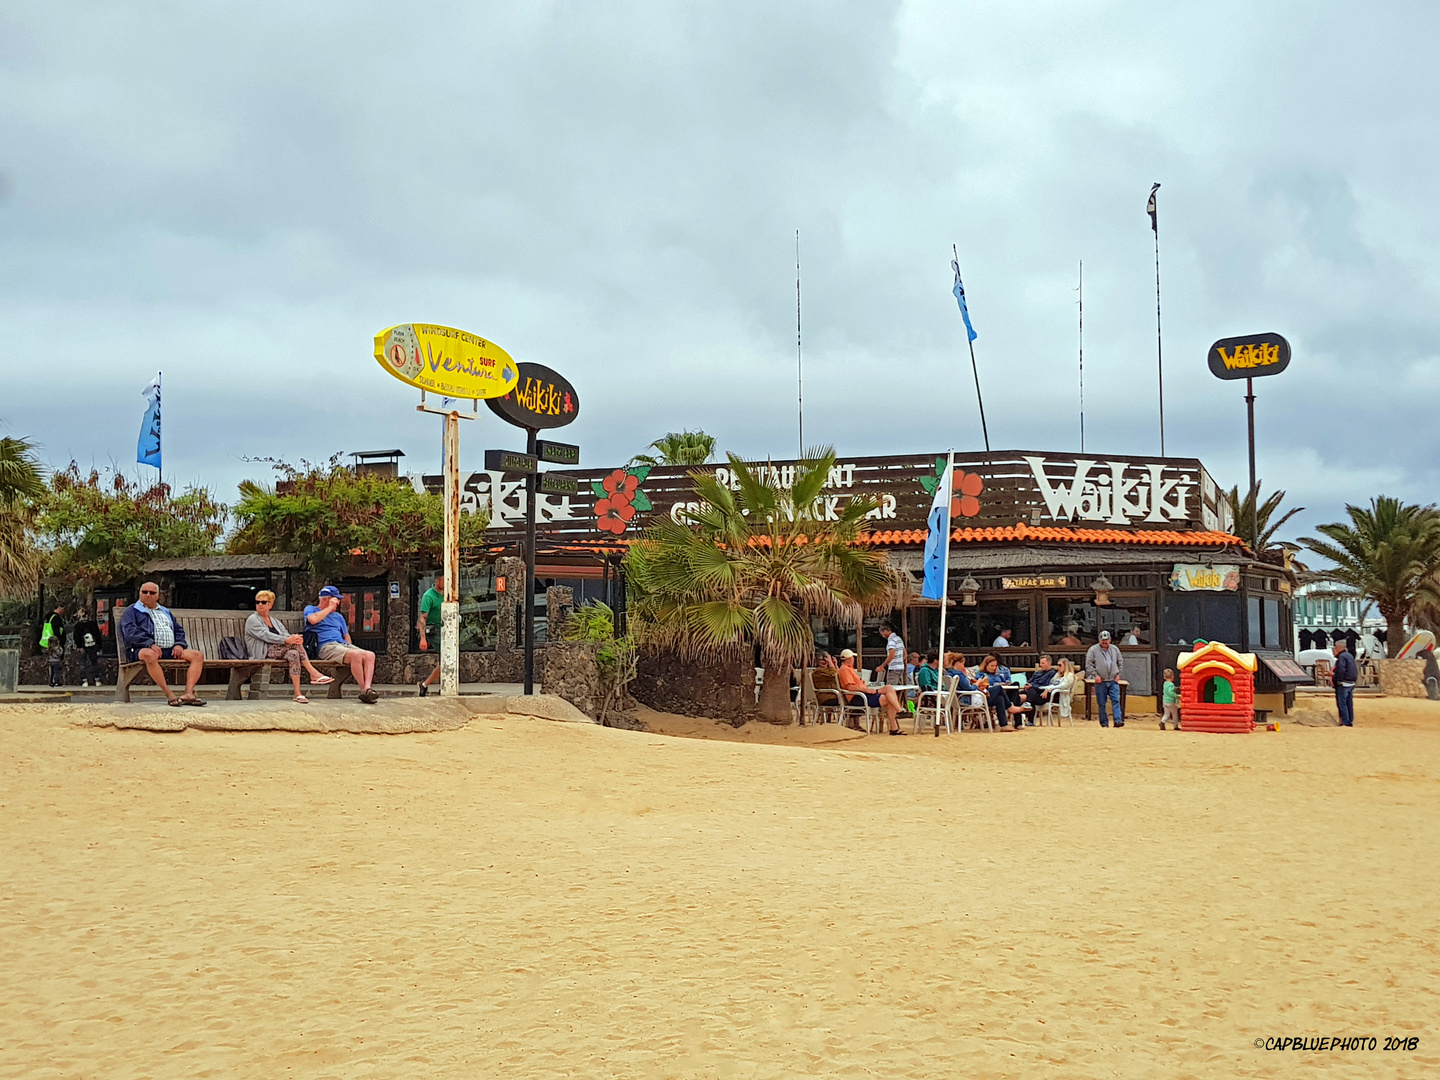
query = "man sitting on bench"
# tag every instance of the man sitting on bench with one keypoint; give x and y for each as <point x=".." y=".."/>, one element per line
<point x="152" y="633"/>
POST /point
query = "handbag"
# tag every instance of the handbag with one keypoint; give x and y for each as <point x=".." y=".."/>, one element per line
<point x="233" y="648"/>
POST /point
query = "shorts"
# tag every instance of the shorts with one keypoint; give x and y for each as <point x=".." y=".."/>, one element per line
<point x="895" y="677"/>
<point x="873" y="700"/>
<point x="335" y="650"/>
<point x="435" y="638"/>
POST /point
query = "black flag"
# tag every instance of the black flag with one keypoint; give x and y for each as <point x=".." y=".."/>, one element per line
<point x="1150" y="209"/>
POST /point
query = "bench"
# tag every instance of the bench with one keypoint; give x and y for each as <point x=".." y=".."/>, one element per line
<point x="203" y="631"/>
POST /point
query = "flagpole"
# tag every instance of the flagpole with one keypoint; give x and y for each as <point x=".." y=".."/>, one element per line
<point x="1082" y="355"/>
<point x="1159" y="354"/>
<point x="949" y="479"/>
<point x="799" y="367"/>
<point x="974" y="369"/>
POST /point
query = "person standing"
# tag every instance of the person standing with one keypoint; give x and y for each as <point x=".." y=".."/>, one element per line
<point x="1342" y="678"/>
<point x="1103" y="665"/>
<point x="52" y="640"/>
<point x="1170" y="699"/>
<point x="892" y="669"/>
<point x="432" y="627"/>
<point x="87" y="636"/>
<point x="333" y="635"/>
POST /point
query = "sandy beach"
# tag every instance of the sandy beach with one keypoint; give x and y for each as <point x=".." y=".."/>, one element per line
<point x="527" y="898"/>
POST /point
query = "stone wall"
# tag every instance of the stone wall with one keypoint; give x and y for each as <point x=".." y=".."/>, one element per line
<point x="571" y="673"/>
<point x="722" y="689"/>
<point x="1402" y="678"/>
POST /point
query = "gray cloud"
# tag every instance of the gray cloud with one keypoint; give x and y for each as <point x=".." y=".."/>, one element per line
<point x="242" y="195"/>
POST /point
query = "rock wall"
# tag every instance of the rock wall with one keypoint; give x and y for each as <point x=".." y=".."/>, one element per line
<point x="722" y="689"/>
<point x="571" y="673"/>
<point x="1402" y="678"/>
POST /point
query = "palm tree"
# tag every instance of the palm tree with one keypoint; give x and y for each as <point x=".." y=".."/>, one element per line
<point x="21" y="482"/>
<point x="1389" y="553"/>
<point x="752" y="567"/>
<point x="1252" y="523"/>
<point x="679" y="448"/>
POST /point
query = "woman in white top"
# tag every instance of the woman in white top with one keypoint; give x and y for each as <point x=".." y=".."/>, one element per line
<point x="1063" y="686"/>
<point x="267" y="639"/>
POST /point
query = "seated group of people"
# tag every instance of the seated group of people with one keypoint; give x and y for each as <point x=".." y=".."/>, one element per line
<point x="152" y="633"/>
<point x="993" y="680"/>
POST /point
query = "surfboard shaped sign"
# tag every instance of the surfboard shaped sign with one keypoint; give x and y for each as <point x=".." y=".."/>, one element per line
<point x="446" y="361"/>
<point x="1249" y="357"/>
<point x="541" y="399"/>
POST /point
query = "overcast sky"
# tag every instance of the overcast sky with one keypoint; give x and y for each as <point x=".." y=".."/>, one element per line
<point x="242" y="194"/>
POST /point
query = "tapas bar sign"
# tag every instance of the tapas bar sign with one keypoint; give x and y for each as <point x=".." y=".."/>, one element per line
<point x="1033" y="583"/>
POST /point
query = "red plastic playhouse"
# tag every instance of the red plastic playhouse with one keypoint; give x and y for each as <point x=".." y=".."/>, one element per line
<point x="1217" y="689"/>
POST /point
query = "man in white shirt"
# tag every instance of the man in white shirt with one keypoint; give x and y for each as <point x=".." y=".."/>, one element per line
<point x="1002" y="641"/>
<point x="894" y="663"/>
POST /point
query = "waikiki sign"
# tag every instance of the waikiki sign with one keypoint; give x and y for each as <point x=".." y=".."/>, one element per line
<point x="1115" y="492"/>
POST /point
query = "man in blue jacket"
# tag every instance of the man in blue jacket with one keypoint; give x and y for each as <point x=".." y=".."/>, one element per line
<point x="150" y="633"/>
<point x="1342" y="678"/>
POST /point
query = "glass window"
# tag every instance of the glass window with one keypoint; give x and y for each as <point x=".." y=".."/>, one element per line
<point x="1070" y="622"/>
<point x="993" y="617"/>
<point x="1127" y="619"/>
<point x="1253" y="621"/>
<point x="362" y="603"/>
<point x="1272" y="624"/>
<point x="1212" y="616"/>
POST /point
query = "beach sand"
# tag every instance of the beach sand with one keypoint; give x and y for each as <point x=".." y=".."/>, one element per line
<point x="535" y="899"/>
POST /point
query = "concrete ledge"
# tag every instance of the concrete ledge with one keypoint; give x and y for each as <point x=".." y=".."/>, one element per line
<point x="541" y="706"/>
<point x="397" y="717"/>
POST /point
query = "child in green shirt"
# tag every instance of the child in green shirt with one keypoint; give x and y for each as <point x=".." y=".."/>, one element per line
<point x="1170" y="698"/>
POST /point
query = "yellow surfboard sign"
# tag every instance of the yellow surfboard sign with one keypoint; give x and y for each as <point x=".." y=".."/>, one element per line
<point x="444" y="360"/>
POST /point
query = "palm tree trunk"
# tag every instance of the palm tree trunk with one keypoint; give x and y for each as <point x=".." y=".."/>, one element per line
<point x="1394" y="634"/>
<point x="774" y="706"/>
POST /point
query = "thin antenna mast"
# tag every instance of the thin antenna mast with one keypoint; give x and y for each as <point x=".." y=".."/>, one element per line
<point x="1081" y="290"/>
<point x="799" y="364"/>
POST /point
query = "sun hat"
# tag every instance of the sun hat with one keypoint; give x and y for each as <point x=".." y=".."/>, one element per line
<point x="847" y="654"/>
<point x="330" y="590"/>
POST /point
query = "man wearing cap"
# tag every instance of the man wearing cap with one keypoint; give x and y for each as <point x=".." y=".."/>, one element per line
<point x="1102" y="667"/>
<point x="333" y="633"/>
<point x="1343" y="677"/>
<point x="883" y="698"/>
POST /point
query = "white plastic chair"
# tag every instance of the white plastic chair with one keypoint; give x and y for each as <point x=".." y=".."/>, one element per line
<point x="974" y="703"/>
<point x="940" y="705"/>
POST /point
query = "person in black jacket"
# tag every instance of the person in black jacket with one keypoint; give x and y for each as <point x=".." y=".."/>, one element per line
<point x="87" y="636"/>
<point x="1342" y="678"/>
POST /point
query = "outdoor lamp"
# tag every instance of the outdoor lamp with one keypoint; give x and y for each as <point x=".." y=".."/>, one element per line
<point x="1102" y="588"/>
<point x="968" y="588"/>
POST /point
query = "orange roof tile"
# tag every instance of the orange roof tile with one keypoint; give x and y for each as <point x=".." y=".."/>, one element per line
<point x="1064" y="534"/>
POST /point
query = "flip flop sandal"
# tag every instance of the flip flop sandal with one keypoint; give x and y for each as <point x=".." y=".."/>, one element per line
<point x="175" y="702"/>
<point x="191" y="701"/>
<point x="322" y="680"/>
<point x="301" y="699"/>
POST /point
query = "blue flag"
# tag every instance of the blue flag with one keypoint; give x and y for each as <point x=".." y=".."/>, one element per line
<point x="959" y="291"/>
<point x="937" y="540"/>
<point x="147" y="451"/>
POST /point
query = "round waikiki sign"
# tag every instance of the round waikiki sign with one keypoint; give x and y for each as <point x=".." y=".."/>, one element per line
<point x="444" y="360"/>
<point x="541" y="399"/>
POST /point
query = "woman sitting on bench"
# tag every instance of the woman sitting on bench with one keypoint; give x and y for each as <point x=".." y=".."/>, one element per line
<point x="266" y="639"/>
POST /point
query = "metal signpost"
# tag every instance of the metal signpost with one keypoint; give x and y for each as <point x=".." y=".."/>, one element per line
<point x="541" y="398"/>
<point x="455" y="364"/>
<point x="1245" y="358"/>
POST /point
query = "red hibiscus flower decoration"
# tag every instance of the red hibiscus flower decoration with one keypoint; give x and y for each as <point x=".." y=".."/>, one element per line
<point x="618" y="498"/>
<point x="965" y="501"/>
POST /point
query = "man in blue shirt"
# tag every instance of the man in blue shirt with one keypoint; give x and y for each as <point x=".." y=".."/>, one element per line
<point x="333" y="634"/>
<point x="1342" y="678"/>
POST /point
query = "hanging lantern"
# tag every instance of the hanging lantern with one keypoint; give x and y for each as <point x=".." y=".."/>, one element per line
<point x="1102" y="588"/>
<point x="968" y="588"/>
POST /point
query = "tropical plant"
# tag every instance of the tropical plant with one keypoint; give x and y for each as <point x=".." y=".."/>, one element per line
<point x="1389" y="553"/>
<point x="752" y="566"/>
<point x="1257" y="525"/>
<point x="101" y="529"/>
<point x="329" y="513"/>
<point x="615" y="657"/>
<point x="22" y="481"/>
<point x="679" y="448"/>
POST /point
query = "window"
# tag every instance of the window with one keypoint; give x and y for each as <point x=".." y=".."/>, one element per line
<point x="1252" y="621"/>
<point x="1212" y="616"/>
<point x="479" y="622"/>
<point x="1272" y="624"/>
<point x="978" y="627"/>
<point x="1075" y="622"/>
<point x="363" y="605"/>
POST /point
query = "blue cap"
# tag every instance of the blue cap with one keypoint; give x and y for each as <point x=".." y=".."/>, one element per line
<point x="330" y="590"/>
